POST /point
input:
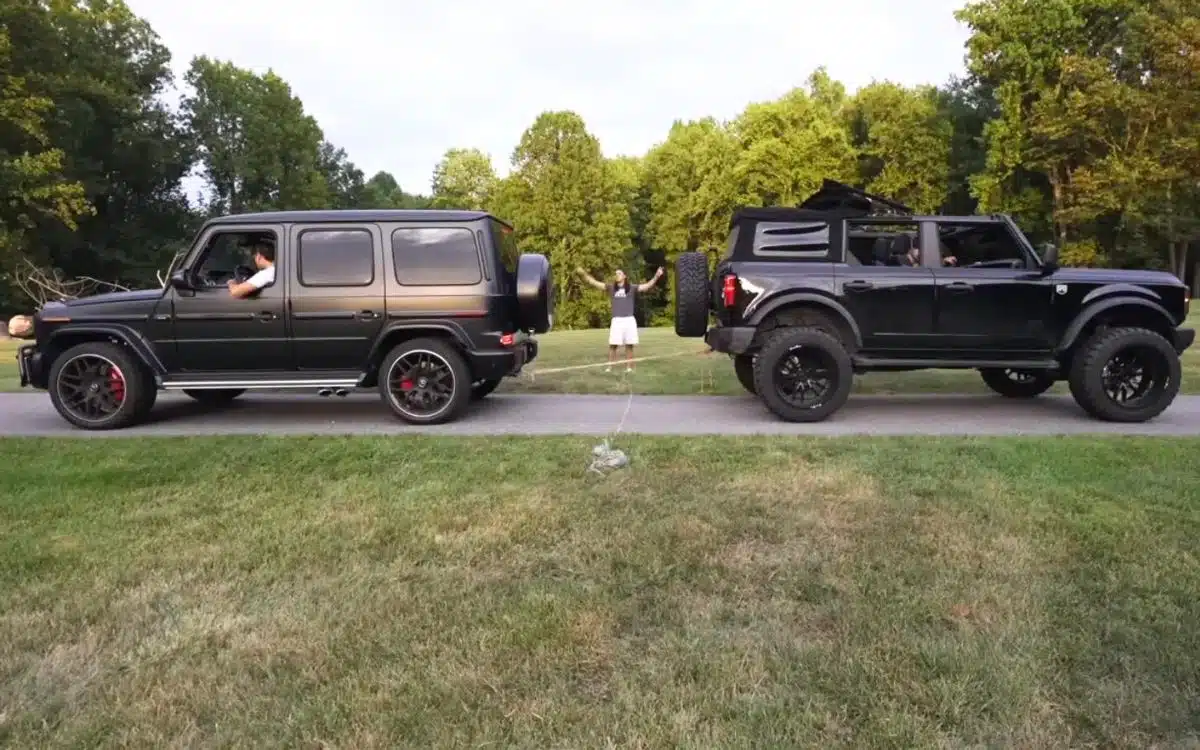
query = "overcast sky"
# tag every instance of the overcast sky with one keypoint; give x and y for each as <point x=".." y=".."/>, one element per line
<point x="397" y="82"/>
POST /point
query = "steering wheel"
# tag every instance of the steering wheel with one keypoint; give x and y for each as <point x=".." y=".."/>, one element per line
<point x="241" y="273"/>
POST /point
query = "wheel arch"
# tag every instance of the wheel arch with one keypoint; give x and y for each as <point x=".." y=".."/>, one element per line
<point x="1117" y="310"/>
<point x="792" y="309"/>
<point x="64" y="338"/>
<point x="398" y="333"/>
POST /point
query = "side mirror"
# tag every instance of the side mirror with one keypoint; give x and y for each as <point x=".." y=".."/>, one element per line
<point x="1049" y="258"/>
<point x="179" y="280"/>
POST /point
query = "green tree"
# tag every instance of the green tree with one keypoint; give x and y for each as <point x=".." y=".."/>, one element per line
<point x="564" y="200"/>
<point x="382" y="191"/>
<point x="903" y="139"/>
<point x="258" y="147"/>
<point x="463" y="179"/>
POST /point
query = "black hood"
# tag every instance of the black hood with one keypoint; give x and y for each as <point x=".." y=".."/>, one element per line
<point x="137" y="295"/>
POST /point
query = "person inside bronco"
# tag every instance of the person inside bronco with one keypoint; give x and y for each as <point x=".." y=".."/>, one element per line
<point x="264" y="260"/>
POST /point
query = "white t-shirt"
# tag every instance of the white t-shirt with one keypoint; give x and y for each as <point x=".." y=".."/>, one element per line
<point x="262" y="278"/>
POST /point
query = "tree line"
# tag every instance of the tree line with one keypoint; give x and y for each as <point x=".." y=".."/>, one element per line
<point x="1079" y="117"/>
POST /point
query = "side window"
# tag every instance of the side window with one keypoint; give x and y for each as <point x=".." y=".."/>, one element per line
<point x="335" y="257"/>
<point x="436" y="256"/>
<point x="979" y="245"/>
<point x="883" y="243"/>
<point x="793" y="239"/>
<point x="225" y="253"/>
<point x="502" y="236"/>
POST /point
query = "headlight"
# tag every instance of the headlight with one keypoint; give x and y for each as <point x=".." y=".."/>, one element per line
<point x="21" y="327"/>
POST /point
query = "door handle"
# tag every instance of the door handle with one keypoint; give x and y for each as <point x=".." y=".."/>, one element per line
<point x="367" y="315"/>
<point x="858" y="286"/>
<point x="959" y="286"/>
<point x="266" y="316"/>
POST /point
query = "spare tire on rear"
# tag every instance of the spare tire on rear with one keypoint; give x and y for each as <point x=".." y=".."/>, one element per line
<point x="691" y="294"/>
<point x="535" y="293"/>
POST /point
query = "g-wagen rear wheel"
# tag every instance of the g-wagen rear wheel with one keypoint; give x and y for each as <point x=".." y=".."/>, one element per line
<point x="100" y="386"/>
<point x="1125" y="375"/>
<point x="743" y="367"/>
<point x="425" y="381"/>
<point x="1017" y="383"/>
<point x="691" y="295"/>
<point x="803" y="374"/>
<point x="535" y="293"/>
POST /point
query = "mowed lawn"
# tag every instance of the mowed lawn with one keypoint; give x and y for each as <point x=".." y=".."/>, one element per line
<point x="681" y="366"/>
<point x="421" y="592"/>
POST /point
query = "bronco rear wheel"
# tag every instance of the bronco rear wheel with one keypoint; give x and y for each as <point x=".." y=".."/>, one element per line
<point x="426" y="381"/>
<point x="100" y="386"/>
<point x="691" y="295"/>
<point x="803" y="374"/>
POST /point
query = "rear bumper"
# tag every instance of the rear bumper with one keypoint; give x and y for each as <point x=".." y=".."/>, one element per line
<point x="496" y="365"/>
<point x="730" y="339"/>
<point x="29" y="367"/>
<point x="1183" y="338"/>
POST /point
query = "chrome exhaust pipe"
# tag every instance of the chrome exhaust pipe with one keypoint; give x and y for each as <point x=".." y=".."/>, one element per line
<point x="325" y="392"/>
<point x="341" y="392"/>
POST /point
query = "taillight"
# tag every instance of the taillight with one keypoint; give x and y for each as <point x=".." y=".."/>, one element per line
<point x="508" y="339"/>
<point x="729" y="291"/>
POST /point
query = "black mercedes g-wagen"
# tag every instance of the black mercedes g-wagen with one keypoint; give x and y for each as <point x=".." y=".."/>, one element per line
<point x="850" y="282"/>
<point x="434" y="308"/>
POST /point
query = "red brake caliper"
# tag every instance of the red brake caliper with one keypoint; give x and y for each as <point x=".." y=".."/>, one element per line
<point x="116" y="383"/>
<point x="406" y="385"/>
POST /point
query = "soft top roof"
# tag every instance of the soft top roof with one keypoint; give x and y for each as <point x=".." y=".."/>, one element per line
<point x="833" y="200"/>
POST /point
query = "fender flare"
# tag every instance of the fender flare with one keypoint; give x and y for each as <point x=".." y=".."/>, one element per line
<point x="131" y="338"/>
<point x="830" y="304"/>
<point x="439" y="327"/>
<point x="1105" y="303"/>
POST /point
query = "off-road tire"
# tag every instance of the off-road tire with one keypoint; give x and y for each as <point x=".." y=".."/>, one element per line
<point x="141" y="392"/>
<point x="214" y="397"/>
<point x="1087" y="369"/>
<point x="778" y="343"/>
<point x="482" y="388"/>
<point x="460" y="397"/>
<point x="1000" y="381"/>
<point x="691" y="295"/>
<point x="743" y="367"/>
<point x="534" y="281"/>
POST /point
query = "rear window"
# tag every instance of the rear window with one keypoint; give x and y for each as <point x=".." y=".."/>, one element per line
<point x="792" y="239"/>
<point x="436" y="256"/>
<point x="506" y="242"/>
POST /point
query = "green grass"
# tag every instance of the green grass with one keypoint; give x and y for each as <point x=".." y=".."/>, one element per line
<point x="421" y="592"/>
<point x="685" y="369"/>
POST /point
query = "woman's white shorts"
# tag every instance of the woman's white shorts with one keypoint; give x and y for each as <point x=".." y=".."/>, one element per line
<point x="623" y="332"/>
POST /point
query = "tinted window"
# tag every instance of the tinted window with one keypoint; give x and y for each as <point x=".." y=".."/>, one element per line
<point x="435" y="256"/>
<point x="507" y="243"/>
<point x="331" y="257"/>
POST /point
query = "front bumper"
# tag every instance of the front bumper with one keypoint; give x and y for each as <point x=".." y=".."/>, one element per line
<point x="29" y="367"/>
<point x="1183" y="338"/>
<point x="730" y="339"/>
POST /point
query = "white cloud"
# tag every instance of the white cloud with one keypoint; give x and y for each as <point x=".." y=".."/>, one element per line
<point x="398" y="82"/>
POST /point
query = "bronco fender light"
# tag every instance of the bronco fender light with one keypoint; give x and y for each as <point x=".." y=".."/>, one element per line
<point x="729" y="290"/>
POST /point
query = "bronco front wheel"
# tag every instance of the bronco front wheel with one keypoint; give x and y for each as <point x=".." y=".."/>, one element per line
<point x="1125" y="375"/>
<point x="100" y="386"/>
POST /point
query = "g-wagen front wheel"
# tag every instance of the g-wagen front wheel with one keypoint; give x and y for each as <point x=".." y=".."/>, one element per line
<point x="1017" y="383"/>
<point x="100" y="386"/>
<point x="1125" y="375"/>
<point x="425" y="381"/>
<point x="803" y="374"/>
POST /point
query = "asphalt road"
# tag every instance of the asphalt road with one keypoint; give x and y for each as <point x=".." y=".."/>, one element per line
<point x="500" y="414"/>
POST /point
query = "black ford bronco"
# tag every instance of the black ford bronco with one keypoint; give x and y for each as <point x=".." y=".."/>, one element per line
<point x="433" y="308"/>
<point x="850" y="282"/>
